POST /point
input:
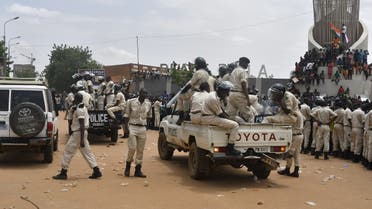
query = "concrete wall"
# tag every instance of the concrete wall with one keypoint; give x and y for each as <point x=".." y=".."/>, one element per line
<point x="156" y="87"/>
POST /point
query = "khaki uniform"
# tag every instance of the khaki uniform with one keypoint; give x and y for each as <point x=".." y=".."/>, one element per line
<point x="357" y="125"/>
<point x="184" y="99"/>
<point x="338" y="131"/>
<point x="238" y="102"/>
<point x="101" y="96"/>
<point x="315" y="129"/>
<point x="156" y="106"/>
<point x="197" y="103"/>
<point x="137" y="114"/>
<point x="305" y="110"/>
<point x="83" y="83"/>
<point x="296" y="120"/>
<point x="120" y="98"/>
<point x="323" y="115"/>
<point x="109" y="93"/>
<point x="87" y="99"/>
<point x="69" y="102"/>
<point x="347" y="129"/>
<point x="73" y="142"/>
<point x="367" y="151"/>
<point x="210" y="111"/>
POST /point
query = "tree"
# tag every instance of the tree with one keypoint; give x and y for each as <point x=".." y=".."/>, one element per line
<point x="181" y="77"/>
<point x="64" y="61"/>
<point x="3" y="53"/>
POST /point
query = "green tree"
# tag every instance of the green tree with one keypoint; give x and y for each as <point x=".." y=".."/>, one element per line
<point x="181" y="77"/>
<point x="3" y="53"/>
<point x="64" y="61"/>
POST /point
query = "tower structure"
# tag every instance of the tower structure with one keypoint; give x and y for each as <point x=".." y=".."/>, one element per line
<point x="328" y="13"/>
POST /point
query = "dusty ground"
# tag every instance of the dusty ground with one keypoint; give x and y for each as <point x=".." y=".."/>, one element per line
<point x="329" y="184"/>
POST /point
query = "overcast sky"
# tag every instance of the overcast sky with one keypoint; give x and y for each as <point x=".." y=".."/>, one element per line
<point x="270" y="32"/>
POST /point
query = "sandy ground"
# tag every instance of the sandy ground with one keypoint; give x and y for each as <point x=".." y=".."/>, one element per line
<point x="327" y="184"/>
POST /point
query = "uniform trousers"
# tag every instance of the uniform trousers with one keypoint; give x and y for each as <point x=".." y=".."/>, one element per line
<point x="322" y="141"/>
<point x="347" y="137"/>
<point x="71" y="147"/>
<point x="238" y="106"/>
<point x="338" y="137"/>
<point x="307" y="130"/>
<point x="136" y="143"/>
<point x="157" y="118"/>
<point x="295" y="150"/>
<point x="369" y="146"/>
<point x="356" y="144"/>
<point x="315" y="135"/>
<point x="230" y="125"/>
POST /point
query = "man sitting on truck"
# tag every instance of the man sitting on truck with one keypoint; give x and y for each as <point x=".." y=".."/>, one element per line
<point x="214" y="114"/>
<point x="197" y="103"/>
<point x="200" y="76"/>
<point x="291" y="115"/>
<point x="119" y="102"/>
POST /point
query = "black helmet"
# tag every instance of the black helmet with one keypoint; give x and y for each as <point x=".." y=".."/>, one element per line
<point x="224" y="86"/>
<point x="231" y="67"/>
<point x="200" y="63"/>
<point x="222" y="70"/>
<point x="78" y="98"/>
<point x="276" y="92"/>
<point x="117" y="87"/>
<point x="101" y="78"/>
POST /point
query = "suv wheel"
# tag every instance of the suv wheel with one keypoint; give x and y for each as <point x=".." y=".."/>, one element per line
<point x="48" y="153"/>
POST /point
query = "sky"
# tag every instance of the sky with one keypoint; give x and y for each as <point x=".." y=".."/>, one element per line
<point x="269" y="32"/>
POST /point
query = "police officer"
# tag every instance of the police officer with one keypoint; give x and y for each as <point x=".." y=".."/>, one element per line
<point x="315" y="126"/>
<point x="305" y="110"/>
<point x="137" y="111"/>
<point x="109" y="91"/>
<point x="101" y="93"/>
<point x="119" y="102"/>
<point x="239" y="97"/>
<point x="156" y="106"/>
<point x="78" y="140"/>
<point x="184" y="98"/>
<point x="87" y="99"/>
<point x="69" y="103"/>
<point x="347" y="132"/>
<point x="289" y="114"/>
<point x="338" y="130"/>
<point x="214" y="114"/>
<point x="197" y="103"/>
<point x="357" y="125"/>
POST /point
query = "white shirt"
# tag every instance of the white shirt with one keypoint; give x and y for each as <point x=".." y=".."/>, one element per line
<point x="137" y="112"/>
<point x="81" y="112"/>
<point x="357" y="118"/>
<point x="238" y="76"/>
<point x="197" y="101"/>
<point x="87" y="99"/>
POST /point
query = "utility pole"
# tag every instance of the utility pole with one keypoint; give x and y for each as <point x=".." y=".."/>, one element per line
<point x="137" y="52"/>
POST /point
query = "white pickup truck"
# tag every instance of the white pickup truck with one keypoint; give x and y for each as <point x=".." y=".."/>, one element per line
<point x="261" y="145"/>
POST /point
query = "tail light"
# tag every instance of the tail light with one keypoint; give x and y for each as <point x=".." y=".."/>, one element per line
<point x="49" y="129"/>
<point x="219" y="149"/>
<point x="278" y="149"/>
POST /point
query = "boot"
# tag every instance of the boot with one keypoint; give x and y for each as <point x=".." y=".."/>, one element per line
<point x="231" y="150"/>
<point x="317" y="154"/>
<point x="365" y="162"/>
<point x="356" y="158"/>
<point x="312" y="151"/>
<point x="138" y="172"/>
<point x="96" y="173"/>
<point x="127" y="169"/>
<point x="306" y="151"/>
<point x="295" y="172"/>
<point x="369" y="167"/>
<point x="326" y="156"/>
<point x="284" y="172"/>
<point x="62" y="175"/>
<point x="180" y="118"/>
<point x="336" y="154"/>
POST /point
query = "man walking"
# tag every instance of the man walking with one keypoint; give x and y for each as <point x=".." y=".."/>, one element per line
<point x="136" y="113"/>
<point x="78" y="140"/>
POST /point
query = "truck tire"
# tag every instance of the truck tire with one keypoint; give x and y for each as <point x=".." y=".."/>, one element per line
<point x="261" y="171"/>
<point x="199" y="164"/>
<point x="114" y="135"/>
<point x="165" y="151"/>
<point x="48" y="153"/>
<point x="27" y="119"/>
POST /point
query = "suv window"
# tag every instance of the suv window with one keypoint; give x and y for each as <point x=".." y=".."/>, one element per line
<point x="4" y="100"/>
<point x="50" y="100"/>
<point x="20" y="96"/>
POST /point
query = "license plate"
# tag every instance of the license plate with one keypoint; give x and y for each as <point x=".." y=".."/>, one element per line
<point x="261" y="149"/>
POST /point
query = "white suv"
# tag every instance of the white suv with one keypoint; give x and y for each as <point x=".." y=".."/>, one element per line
<point x="27" y="118"/>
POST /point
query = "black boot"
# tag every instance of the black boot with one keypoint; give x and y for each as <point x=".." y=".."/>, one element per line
<point x="365" y="162"/>
<point x="326" y="156"/>
<point x="369" y="167"/>
<point x="96" y="173"/>
<point x="180" y="118"/>
<point x="138" y="172"/>
<point x="284" y="172"/>
<point x="295" y="172"/>
<point x="312" y="151"/>
<point x="231" y="150"/>
<point x="306" y="151"/>
<point x="127" y="169"/>
<point x="356" y="158"/>
<point x="62" y="175"/>
<point x="336" y="154"/>
<point x="317" y="154"/>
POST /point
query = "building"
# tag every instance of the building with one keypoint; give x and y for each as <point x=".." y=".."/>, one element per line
<point x="155" y="79"/>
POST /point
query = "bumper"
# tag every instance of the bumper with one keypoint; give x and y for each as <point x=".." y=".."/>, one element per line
<point x="23" y="144"/>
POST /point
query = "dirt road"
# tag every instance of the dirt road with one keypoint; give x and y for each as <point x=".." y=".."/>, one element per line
<point x="333" y="184"/>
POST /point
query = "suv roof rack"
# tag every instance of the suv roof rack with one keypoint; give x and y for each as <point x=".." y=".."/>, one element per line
<point x="21" y="81"/>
